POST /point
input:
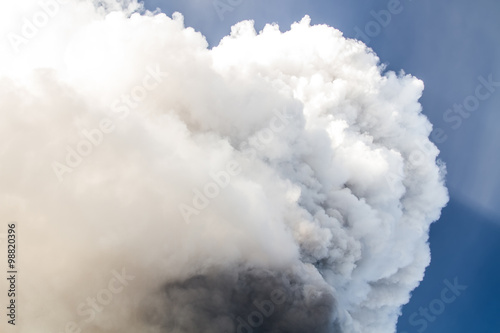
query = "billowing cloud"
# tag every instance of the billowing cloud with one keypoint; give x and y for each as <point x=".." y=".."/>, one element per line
<point x="278" y="182"/>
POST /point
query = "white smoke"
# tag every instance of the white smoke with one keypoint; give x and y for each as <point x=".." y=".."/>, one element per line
<point x="212" y="176"/>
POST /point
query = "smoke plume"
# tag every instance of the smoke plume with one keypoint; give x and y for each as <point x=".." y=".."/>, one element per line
<point x="278" y="182"/>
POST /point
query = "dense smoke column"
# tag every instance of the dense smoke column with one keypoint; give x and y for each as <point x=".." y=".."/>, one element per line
<point x="171" y="185"/>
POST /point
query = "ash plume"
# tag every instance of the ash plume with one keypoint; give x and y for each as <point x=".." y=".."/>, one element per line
<point x="164" y="186"/>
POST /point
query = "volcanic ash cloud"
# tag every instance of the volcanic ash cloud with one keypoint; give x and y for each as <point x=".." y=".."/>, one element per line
<point x="278" y="182"/>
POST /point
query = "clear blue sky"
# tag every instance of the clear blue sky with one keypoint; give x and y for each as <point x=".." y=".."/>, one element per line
<point x="449" y="45"/>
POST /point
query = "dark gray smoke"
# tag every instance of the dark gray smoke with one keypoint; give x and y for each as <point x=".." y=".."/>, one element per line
<point x="243" y="301"/>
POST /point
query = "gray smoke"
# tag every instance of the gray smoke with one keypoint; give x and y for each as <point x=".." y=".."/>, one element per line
<point x="246" y="300"/>
<point x="162" y="186"/>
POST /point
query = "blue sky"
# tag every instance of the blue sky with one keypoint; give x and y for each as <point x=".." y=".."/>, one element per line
<point x="453" y="46"/>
